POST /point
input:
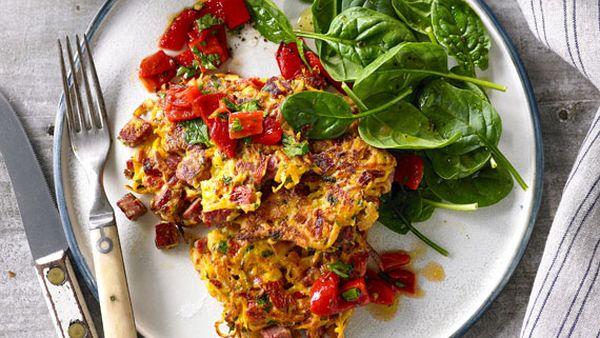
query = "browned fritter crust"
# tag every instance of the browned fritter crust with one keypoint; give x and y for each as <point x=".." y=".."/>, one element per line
<point x="343" y="190"/>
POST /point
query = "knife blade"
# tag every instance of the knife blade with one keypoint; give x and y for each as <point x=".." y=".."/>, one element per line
<point x="43" y="228"/>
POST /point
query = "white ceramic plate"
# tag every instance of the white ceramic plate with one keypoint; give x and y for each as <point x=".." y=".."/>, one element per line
<point x="170" y="300"/>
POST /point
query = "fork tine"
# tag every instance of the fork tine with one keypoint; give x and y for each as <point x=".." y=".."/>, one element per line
<point x="80" y="112"/>
<point x="92" y="115"/>
<point x="99" y="96"/>
<point x="68" y="101"/>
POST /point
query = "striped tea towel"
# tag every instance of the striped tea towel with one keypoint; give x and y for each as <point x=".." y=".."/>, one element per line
<point x="565" y="300"/>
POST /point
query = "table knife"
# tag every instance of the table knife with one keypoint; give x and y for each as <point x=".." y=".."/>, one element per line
<point x="44" y="230"/>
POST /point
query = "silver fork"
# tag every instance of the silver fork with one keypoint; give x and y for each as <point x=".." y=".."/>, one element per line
<point x="90" y="141"/>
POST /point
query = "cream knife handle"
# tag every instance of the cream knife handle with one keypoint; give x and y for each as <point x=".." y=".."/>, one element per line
<point x="63" y="296"/>
<point x="113" y="293"/>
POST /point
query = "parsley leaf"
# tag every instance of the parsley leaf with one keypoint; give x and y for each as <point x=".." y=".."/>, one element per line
<point x="341" y="269"/>
<point x="196" y="132"/>
<point x="222" y="247"/>
<point x="292" y="147"/>
<point x="208" y="61"/>
<point x="236" y="125"/>
<point x="247" y="106"/>
<point x="207" y="21"/>
<point x="186" y="72"/>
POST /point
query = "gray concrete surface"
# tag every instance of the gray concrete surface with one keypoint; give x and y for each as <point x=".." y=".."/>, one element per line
<point x="29" y="78"/>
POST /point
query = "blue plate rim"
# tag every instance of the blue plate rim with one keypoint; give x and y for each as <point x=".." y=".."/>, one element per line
<point x="85" y="272"/>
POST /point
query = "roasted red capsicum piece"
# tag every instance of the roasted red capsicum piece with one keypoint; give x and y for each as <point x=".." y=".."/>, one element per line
<point x="204" y="105"/>
<point x="233" y="12"/>
<point x="409" y="171"/>
<point x="185" y="59"/>
<point x="219" y="134"/>
<point x="325" y="295"/>
<point x="243" y="124"/>
<point x="394" y="260"/>
<point x="404" y="280"/>
<point x="211" y="41"/>
<point x="271" y="133"/>
<point x="156" y="70"/>
<point x="289" y="61"/>
<point x="176" y="35"/>
<point x="178" y="103"/>
<point x="380" y="292"/>
<point x="355" y="292"/>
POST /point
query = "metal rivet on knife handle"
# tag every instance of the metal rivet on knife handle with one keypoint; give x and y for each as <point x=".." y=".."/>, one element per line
<point x="56" y="275"/>
<point x="77" y="329"/>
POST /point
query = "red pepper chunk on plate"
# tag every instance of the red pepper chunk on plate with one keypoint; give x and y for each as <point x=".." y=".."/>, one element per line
<point x="394" y="260"/>
<point x="210" y="47"/>
<point x="355" y="292"/>
<point x="176" y="35"/>
<point x="380" y="292"/>
<point x="243" y="124"/>
<point x="271" y="133"/>
<point x="156" y="70"/>
<point x="289" y="61"/>
<point x="178" y="103"/>
<point x="409" y="171"/>
<point x="233" y="12"/>
<point x="324" y="295"/>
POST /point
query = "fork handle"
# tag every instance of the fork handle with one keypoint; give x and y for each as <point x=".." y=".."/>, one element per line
<point x="113" y="293"/>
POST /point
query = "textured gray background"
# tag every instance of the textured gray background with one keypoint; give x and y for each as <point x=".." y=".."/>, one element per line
<point x="29" y="78"/>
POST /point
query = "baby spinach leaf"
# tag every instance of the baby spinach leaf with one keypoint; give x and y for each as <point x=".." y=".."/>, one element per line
<point x="323" y="12"/>
<point x="455" y="110"/>
<point x="402" y="126"/>
<point x="388" y="73"/>
<point x="270" y="21"/>
<point x="381" y="6"/>
<point x="292" y="148"/>
<point x="355" y="38"/>
<point x="319" y="115"/>
<point x="451" y="166"/>
<point x="323" y="115"/>
<point x="458" y="28"/>
<point x="486" y="187"/>
<point x="196" y="132"/>
<point x="399" y="209"/>
<point x="415" y="13"/>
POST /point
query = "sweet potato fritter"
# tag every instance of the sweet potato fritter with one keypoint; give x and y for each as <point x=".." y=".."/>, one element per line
<point x="347" y="180"/>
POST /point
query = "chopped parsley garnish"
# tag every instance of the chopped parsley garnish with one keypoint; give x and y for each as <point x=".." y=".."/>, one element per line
<point x="292" y="147"/>
<point x="247" y="140"/>
<point x="341" y="269"/>
<point x="185" y="72"/>
<point x="399" y="284"/>
<point x="222" y="247"/>
<point x="236" y="125"/>
<point x="227" y="180"/>
<point x="264" y="300"/>
<point x="162" y="95"/>
<point x="208" y="61"/>
<point x="215" y="83"/>
<point x="207" y="21"/>
<point x="249" y="106"/>
<point x="244" y="106"/>
<point x="266" y="253"/>
<point x="351" y="294"/>
<point x="196" y="132"/>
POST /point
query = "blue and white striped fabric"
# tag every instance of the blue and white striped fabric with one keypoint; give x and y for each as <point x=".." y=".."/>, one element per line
<point x="565" y="300"/>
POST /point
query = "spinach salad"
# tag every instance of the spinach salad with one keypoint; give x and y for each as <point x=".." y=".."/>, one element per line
<point x="391" y="58"/>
